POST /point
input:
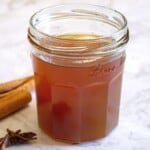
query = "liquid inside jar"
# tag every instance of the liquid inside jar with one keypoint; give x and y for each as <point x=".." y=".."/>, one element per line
<point x="78" y="102"/>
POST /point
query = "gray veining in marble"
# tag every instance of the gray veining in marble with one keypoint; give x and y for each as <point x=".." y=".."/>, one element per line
<point x="133" y="131"/>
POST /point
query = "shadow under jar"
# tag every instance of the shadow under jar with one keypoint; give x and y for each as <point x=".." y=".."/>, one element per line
<point x="78" y="54"/>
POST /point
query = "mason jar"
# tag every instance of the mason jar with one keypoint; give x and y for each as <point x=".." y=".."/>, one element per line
<point x="78" y="55"/>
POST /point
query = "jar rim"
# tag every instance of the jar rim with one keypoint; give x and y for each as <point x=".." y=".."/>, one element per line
<point x="122" y="32"/>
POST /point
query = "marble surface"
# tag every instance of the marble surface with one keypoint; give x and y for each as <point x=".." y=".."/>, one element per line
<point x="133" y="131"/>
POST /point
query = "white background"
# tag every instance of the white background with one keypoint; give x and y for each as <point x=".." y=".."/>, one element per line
<point x="133" y="132"/>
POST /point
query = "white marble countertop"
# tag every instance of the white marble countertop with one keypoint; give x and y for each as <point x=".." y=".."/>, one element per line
<point x="133" y="131"/>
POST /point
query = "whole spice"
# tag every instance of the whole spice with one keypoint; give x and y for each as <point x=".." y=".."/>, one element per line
<point x="15" y="95"/>
<point x="10" y="85"/>
<point x="14" y="101"/>
<point x="16" y="138"/>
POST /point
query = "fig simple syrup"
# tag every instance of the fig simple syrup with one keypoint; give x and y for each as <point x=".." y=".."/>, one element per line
<point x="78" y="103"/>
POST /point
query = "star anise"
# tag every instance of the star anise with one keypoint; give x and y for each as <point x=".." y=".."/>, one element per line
<point x="16" y="138"/>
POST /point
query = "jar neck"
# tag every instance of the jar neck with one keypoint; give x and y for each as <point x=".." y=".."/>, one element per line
<point x="104" y="44"/>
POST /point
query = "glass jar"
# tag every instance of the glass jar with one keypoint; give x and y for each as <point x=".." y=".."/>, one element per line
<point x="78" y="53"/>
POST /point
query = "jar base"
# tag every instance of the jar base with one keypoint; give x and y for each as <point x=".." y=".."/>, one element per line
<point x="47" y="132"/>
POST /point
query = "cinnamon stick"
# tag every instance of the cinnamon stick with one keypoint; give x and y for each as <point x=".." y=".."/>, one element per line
<point x="15" y="95"/>
<point x="10" y="85"/>
<point x="23" y="83"/>
<point x="18" y="99"/>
